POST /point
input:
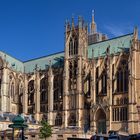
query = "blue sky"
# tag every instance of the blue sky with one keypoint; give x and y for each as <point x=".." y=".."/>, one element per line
<point x="34" y="28"/>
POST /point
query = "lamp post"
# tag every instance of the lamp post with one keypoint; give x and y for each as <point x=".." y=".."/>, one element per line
<point x="19" y="123"/>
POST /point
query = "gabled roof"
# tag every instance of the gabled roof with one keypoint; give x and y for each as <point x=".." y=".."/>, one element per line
<point x="55" y="60"/>
<point x="14" y="63"/>
<point x="42" y="62"/>
<point x="115" y="46"/>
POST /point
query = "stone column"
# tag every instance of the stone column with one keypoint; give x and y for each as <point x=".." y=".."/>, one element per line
<point x="93" y="94"/>
<point x="110" y="96"/>
<point x="16" y="97"/>
<point x="5" y="101"/>
<point x="25" y="95"/>
<point x="80" y="94"/>
<point x="100" y="72"/>
<point x="50" y="96"/>
<point x="37" y="95"/>
<point x="134" y="84"/>
<point x="65" y="94"/>
<point x="93" y="84"/>
<point x="115" y="73"/>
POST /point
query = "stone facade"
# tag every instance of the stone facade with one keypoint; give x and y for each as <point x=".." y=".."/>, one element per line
<point x="93" y="85"/>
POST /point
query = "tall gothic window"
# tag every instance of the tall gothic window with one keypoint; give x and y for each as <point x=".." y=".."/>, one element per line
<point x="21" y="98"/>
<point x="73" y="46"/>
<point x="12" y="89"/>
<point x="72" y="101"/>
<point x="70" y="70"/>
<point x="120" y="114"/>
<point x="87" y="85"/>
<point x="72" y="120"/>
<point x="58" y="90"/>
<point x="72" y="74"/>
<point x="43" y="95"/>
<point x="120" y="110"/>
<point x="31" y="102"/>
<point x="58" y="120"/>
<point x="122" y="77"/>
<point x="31" y="92"/>
<point x="104" y="82"/>
<point x="43" y="90"/>
<point x="97" y="80"/>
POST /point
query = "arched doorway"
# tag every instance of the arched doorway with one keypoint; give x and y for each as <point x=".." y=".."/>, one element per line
<point x="100" y="121"/>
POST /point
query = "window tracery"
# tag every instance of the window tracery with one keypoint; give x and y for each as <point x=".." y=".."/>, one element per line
<point x="21" y="98"/>
<point x="31" y="96"/>
<point x="73" y="70"/>
<point x="104" y="83"/>
<point x="72" y="120"/>
<point x="120" y="110"/>
<point x="73" y="46"/>
<point x="58" y="90"/>
<point x="43" y="90"/>
<point x="58" y="120"/>
<point x="122" y="77"/>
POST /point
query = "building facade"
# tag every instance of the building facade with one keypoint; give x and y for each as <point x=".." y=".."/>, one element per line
<point x="93" y="85"/>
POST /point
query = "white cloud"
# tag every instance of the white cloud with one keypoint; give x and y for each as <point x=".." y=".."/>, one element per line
<point x="118" y="30"/>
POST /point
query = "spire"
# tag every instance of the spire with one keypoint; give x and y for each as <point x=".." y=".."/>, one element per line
<point x="72" y="21"/>
<point x="67" y="25"/>
<point x="93" y="24"/>
<point x="80" y="22"/>
<point x="92" y="16"/>
<point x="135" y="34"/>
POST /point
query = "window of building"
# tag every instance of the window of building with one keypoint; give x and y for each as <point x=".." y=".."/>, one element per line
<point x="31" y="92"/>
<point x="122" y="77"/>
<point x="97" y="81"/>
<point x="72" y="74"/>
<point x="43" y="90"/>
<point x="31" y="86"/>
<point x="31" y="110"/>
<point x="43" y="84"/>
<point x="120" y="114"/>
<point x="73" y="46"/>
<point x="42" y="108"/>
<point x="58" y="90"/>
<point x="104" y="83"/>
<point x="12" y="90"/>
<point x="72" y="101"/>
<point x="55" y="106"/>
<point x="58" y="120"/>
<point x="72" y="120"/>
<point x="21" y="98"/>
<point x="87" y="85"/>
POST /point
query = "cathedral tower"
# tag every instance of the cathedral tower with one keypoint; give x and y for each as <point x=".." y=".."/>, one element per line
<point x="75" y="57"/>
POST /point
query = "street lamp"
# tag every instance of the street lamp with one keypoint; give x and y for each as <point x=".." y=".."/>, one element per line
<point x="18" y="122"/>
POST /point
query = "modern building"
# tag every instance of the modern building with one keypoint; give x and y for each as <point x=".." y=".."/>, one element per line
<point x="93" y="85"/>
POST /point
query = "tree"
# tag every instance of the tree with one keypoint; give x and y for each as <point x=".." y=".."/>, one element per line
<point x="45" y="130"/>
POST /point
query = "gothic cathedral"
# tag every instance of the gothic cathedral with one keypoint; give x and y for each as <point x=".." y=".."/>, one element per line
<point x="94" y="85"/>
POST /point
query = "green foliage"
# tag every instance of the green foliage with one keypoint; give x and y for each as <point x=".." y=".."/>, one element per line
<point x="45" y="130"/>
